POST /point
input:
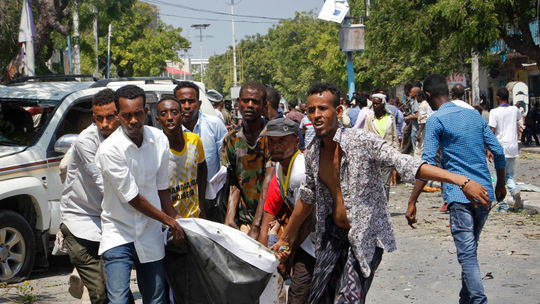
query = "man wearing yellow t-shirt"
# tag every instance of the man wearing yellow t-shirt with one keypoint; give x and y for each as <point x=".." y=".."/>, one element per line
<point x="187" y="166"/>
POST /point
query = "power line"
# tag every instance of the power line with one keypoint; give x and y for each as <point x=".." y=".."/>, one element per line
<point x="207" y="11"/>
<point x="221" y="20"/>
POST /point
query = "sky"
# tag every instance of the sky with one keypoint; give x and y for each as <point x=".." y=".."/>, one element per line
<point x="178" y="14"/>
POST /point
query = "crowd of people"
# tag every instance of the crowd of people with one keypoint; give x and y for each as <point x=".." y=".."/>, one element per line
<point x="310" y="181"/>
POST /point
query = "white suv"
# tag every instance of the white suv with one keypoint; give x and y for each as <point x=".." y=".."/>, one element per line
<point x="38" y="123"/>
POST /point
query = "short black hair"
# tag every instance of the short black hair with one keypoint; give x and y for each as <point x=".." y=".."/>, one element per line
<point x="458" y="91"/>
<point x="503" y="93"/>
<point x="254" y="85"/>
<point x="320" y="87"/>
<point x="408" y="87"/>
<point x="103" y="97"/>
<point x="361" y="100"/>
<point x="417" y="84"/>
<point x="272" y="97"/>
<point x="435" y="84"/>
<point x="293" y="103"/>
<point x="129" y="91"/>
<point x="375" y="90"/>
<point x="187" y="84"/>
<point x="170" y="98"/>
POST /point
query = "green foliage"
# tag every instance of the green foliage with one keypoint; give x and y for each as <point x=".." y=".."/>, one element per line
<point x="136" y="49"/>
<point x="10" y="18"/>
<point x="25" y="291"/>
<point x="293" y="55"/>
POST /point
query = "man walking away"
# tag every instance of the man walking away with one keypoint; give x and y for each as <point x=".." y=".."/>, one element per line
<point x="462" y="136"/>
<point x="504" y="121"/>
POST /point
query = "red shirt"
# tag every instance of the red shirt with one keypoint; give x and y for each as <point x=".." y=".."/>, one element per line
<point x="274" y="200"/>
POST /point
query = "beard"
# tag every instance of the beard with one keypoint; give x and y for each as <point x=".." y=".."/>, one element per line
<point x="323" y="135"/>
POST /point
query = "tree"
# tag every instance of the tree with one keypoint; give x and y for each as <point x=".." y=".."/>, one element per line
<point x="51" y="14"/>
<point x="137" y="49"/>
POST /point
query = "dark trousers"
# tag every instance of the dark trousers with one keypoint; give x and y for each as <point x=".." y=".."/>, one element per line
<point x="83" y="254"/>
<point x="304" y="264"/>
<point x="406" y="142"/>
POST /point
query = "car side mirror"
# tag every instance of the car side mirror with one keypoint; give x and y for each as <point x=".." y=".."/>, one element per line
<point x="63" y="144"/>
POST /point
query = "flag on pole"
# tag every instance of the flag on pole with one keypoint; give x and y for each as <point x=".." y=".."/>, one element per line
<point x="26" y="32"/>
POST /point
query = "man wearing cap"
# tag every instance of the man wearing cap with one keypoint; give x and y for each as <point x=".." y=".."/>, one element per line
<point x="217" y="102"/>
<point x="290" y="174"/>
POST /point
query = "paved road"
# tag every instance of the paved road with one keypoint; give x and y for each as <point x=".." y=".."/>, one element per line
<point x="424" y="269"/>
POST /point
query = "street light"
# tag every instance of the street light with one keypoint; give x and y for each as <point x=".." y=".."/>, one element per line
<point x="201" y="27"/>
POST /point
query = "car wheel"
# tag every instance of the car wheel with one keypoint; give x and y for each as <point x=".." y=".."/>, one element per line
<point x="17" y="248"/>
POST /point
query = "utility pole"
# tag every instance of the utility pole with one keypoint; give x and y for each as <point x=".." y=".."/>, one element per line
<point x="96" y="40"/>
<point x="235" y="79"/>
<point x="109" y="52"/>
<point x="186" y="49"/>
<point x="76" y="47"/>
<point x="201" y="27"/>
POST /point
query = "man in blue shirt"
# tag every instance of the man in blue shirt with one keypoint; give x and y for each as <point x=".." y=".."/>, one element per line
<point x="210" y="129"/>
<point x="461" y="135"/>
<point x="354" y="110"/>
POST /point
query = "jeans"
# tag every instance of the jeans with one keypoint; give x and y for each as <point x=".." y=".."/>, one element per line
<point x="466" y="223"/>
<point x="510" y="182"/>
<point x="150" y="276"/>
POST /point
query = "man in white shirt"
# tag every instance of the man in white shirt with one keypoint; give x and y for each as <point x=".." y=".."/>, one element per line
<point x="503" y="121"/>
<point x="457" y="93"/>
<point x="134" y="162"/>
<point x="80" y="206"/>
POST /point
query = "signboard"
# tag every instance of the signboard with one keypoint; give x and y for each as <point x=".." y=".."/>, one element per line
<point x="334" y="10"/>
<point x="456" y="78"/>
<point x="235" y="92"/>
<point x="351" y="38"/>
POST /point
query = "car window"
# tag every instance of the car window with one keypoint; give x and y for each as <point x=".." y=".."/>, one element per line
<point x="77" y="118"/>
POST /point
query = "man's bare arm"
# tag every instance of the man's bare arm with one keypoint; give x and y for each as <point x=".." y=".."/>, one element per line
<point x="232" y="205"/>
<point x="263" y="236"/>
<point x="202" y="175"/>
<point x="411" y="211"/>
<point x="473" y="191"/>
<point x="257" y="219"/>
<point x="301" y="211"/>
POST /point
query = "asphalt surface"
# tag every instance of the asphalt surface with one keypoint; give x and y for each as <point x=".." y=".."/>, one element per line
<point x="424" y="268"/>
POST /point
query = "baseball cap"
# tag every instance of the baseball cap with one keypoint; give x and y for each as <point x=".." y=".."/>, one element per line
<point x="281" y="127"/>
<point x="214" y="96"/>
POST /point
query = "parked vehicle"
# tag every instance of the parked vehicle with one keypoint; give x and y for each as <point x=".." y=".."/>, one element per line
<point x="34" y="118"/>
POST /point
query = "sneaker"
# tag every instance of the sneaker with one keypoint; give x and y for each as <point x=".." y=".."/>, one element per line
<point x="517" y="200"/>
<point x="444" y="208"/>
<point x="76" y="286"/>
